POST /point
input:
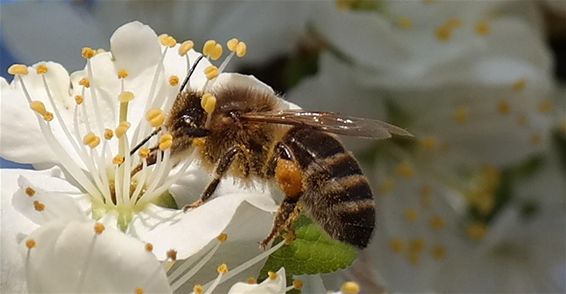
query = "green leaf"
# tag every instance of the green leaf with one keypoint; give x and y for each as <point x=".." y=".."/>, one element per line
<point x="312" y="252"/>
<point x="166" y="200"/>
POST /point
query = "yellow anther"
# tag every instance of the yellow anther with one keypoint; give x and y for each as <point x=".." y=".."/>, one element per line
<point x="476" y="231"/>
<point x="122" y="74"/>
<point x="38" y="206"/>
<point x="122" y="129"/>
<point x="212" y="49"/>
<point x="252" y="281"/>
<point x="108" y="134"/>
<point x="88" y="53"/>
<point x="461" y="114"/>
<point x="482" y="28"/>
<point x="167" y="41"/>
<point x="79" y="99"/>
<point x="396" y="245"/>
<point x="18" y="69"/>
<point x="139" y="290"/>
<point x="126" y="97"/>
<point x="386" y="186"/>
<point x="222" y="269"/>
<point x="148" y="247"/>
<point x="41" y="69"/>
<point x="185" y="47"/>
<point x="155" y="117"/>
<point x="405" y="170"/>
<point x="504" y="106"/>
<point x="438" y="252"/>
<point x="172" y="254"/>
<point x="199" y="142"/>
<point x="410" y="215"/>
<point x="38" y="107"/>
<point x="519" y="85"/>
<point x="91" y="140"/>
<point x="429" y="143"/>
<point x="198" y="289"/>
<point x="165" y="142"/>
<point x="84" y="82"/>
<point x="144" y="152"/>
<point x="298" y="284"/>
<point x="437" y="223"/>
<point x="536" y="139"/>
<point x="350" y="288"/>
<point x="416" y="245"/>
<point x="173" y="80"/>
<point x="30" y="243"/>
<point x="405" y="23"/>
<point x="99" y="228"/>
<point x="222" y="237"/>
<point x="272" y="275"/>
<point x="443" y="33"/>
<point x="118" y="159"/>
<point x="211" y="72"/>
<point x="208" y="102"/>
<point x="30" y="191"/>
<point x="545" y="106"/>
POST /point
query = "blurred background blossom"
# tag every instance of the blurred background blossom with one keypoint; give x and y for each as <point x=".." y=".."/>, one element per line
<point x="477" y="201"/>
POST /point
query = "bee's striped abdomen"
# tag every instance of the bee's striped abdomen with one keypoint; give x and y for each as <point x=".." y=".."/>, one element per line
<point x="336" y="193"/>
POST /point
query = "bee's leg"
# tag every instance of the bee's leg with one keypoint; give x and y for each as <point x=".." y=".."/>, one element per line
<point x="221" y="169"/>
<point x="290" y="179"/>
<point x="151" y="159"/>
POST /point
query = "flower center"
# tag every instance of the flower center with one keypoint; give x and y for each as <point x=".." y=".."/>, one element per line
<point x="98" y="156"/>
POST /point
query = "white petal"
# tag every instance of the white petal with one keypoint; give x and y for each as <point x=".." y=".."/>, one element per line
<point x="14" y="227"/>
<point x="135" y="47"/>
<point x="187" y="233"/>
<point x="277" y="286"/>
<point x="241" y="81"/>
<point x="71" y="257"/>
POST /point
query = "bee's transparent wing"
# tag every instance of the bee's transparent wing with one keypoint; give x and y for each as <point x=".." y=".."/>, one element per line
<point x="329" y="122"/>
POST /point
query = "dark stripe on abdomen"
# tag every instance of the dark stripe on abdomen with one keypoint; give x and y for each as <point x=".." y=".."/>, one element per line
<point x="309" y="144"/>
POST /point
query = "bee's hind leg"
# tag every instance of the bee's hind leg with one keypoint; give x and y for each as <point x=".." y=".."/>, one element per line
<point x="221" y="168"/>
<point x="290" y="179"/>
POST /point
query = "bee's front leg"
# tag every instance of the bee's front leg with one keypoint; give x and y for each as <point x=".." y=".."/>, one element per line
<point x="222" y="167"/>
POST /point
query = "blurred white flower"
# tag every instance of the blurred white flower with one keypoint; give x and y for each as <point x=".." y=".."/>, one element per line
<point x="450" y="72"/>
<point x="85" y="125"/>
<point x="269" y="28"/>
<point x="458" y="76"/>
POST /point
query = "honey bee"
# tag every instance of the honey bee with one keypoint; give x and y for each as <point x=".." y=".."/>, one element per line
<point x="251" y="134"/>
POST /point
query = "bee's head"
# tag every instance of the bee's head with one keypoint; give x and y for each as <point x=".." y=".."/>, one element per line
<point x="187" y="117"/>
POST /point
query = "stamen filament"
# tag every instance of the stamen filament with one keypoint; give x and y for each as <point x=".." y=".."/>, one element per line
<point x="178" y="282"/>
<point x="94" y="99"/>
<point x="214" y="284"/>
<point x="248" y="264"/>
<point x="141" y="182"/>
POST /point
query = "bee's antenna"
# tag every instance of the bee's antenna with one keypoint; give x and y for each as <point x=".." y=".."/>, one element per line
<point x="144" y="141"/>
<point x="191" y="70"/>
